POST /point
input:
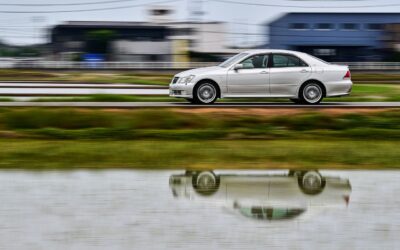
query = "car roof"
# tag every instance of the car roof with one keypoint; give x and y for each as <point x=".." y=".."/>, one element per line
<point x="258" y="51"/>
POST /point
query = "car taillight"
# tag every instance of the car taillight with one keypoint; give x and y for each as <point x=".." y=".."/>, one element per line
<point x="348" y="75"/>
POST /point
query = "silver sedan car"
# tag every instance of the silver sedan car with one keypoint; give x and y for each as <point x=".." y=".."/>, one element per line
<point x="264" y="196"/>
<point x="297" y="76"/>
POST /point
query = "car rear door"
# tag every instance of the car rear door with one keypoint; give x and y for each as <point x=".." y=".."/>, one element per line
<point x="253" y="79"/>
<point x="287" y="72"/>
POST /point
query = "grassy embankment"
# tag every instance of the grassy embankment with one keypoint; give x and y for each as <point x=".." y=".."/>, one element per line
<point x="154" y="78"/>
<point x="249" y="138"/>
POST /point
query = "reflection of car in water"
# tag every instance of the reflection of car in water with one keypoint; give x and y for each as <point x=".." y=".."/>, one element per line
<point x="268" y="197"/>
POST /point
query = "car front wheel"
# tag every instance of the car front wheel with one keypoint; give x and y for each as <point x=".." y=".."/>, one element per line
<point x="205" y="93"/>
<point x="311" y="93"/>
<point x="205" y="182"/>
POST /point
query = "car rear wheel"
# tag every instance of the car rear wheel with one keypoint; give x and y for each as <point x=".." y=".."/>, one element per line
<point x="205" y="93"/>
<point x="205" y="183"/>
<point x="311" y="182"/>
<point x="311" y="93"/>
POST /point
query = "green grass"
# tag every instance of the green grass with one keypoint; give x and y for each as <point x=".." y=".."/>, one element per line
<point x="372" y="92"/>
<point x="170" y="124"/>
<point x="151" y="78"/>
<point x="57" y="138"/>
<point x="209" y="154"/>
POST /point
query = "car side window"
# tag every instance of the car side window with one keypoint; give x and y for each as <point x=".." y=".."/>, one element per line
<point x="255" y="62"/>
<point x="280" y="61"/>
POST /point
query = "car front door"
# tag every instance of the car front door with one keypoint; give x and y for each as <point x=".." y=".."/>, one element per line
<point x="251" y="79"/>
<point x="287" y="72"/>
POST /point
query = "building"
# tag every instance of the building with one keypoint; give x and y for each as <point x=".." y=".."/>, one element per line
<point x="334" y="36"/>
<point x="73" y="38"/>
<point x="160" y="39"/>
<point x="393" y="37"/>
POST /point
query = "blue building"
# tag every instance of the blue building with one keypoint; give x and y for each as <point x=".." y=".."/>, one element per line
<point x="334" y="36"/>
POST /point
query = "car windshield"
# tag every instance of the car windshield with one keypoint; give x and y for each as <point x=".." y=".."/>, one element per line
<point x="269" y="213"/>
<point x="233" y="59"/>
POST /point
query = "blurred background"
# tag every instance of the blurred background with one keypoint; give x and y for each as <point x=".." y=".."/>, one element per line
<point x="191" y="33"/>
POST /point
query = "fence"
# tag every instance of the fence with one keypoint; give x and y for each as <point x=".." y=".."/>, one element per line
<point x="41" y="64"/>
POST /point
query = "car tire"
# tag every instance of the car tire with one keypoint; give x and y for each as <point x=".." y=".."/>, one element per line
<point x="205" y="182"/>
<point x="205" y="93"/>
<point x="311" y="182"/>
<point x="311" y="93"/>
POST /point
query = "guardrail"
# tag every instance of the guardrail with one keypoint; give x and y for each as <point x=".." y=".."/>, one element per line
<point x="372" y="66"/>
<point x="110" y="65"/>
<point x="40" y="64"/>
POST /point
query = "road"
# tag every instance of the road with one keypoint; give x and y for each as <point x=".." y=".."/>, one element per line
<point x="23" y="91"/>
<point x="188" y="105"/>
<point x="67" y="89"/>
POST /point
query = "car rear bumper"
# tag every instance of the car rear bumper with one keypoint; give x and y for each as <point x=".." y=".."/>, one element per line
<point x="340" y="88"/>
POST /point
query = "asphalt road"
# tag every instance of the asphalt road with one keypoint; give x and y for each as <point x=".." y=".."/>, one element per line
<point x="188" y="105"/>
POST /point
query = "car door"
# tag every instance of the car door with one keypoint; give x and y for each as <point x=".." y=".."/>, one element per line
<point x="246" y="189"/>
<point x="287" y="72"/>
<point x="252" y="79"/>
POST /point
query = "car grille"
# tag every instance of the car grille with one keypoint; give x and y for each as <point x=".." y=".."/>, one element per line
<point x="175" y="80"/>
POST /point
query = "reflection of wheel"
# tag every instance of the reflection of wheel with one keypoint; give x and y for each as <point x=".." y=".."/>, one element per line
<point x="311" y="182"/>
<point x="205" y="183"/>
<point x="311" y="93"/>
<point x="205" y="93"/>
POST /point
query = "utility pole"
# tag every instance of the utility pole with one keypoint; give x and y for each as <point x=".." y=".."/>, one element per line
<point x="196" y="10"/>
<point x="36" y="20"/>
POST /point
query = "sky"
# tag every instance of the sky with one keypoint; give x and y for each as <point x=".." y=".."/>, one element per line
<point x="28" y="28"/>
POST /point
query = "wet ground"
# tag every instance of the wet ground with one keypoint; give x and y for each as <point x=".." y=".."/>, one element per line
<point x="138" y="210"/>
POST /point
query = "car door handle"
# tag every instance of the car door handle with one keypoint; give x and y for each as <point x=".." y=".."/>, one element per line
<point x="264" y="72"/>
<point x="303" y="71"/>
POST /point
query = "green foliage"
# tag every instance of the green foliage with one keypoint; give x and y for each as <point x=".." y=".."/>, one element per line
<point x="19" y="52"/>
<point x="169" y="124"/>
<point x="195" y="154"/>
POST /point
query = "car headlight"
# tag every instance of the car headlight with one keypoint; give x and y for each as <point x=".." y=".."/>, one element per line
<point x="187" y="79"/>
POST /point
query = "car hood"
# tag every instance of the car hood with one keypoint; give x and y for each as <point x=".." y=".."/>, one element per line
<point x="199" y="71"/>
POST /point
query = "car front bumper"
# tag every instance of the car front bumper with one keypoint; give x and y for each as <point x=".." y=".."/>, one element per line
<point x="181" y="90"/>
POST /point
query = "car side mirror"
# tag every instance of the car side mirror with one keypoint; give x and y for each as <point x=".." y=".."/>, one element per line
<point x="238" y="66"/>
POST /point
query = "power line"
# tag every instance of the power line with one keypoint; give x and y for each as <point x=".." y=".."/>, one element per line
<point x="62" y="4"/>
<point x="18" y="36"/>
<point x="87" y="10"/>
<point x="13" y="30"/>
<point x="305" y="7"/>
